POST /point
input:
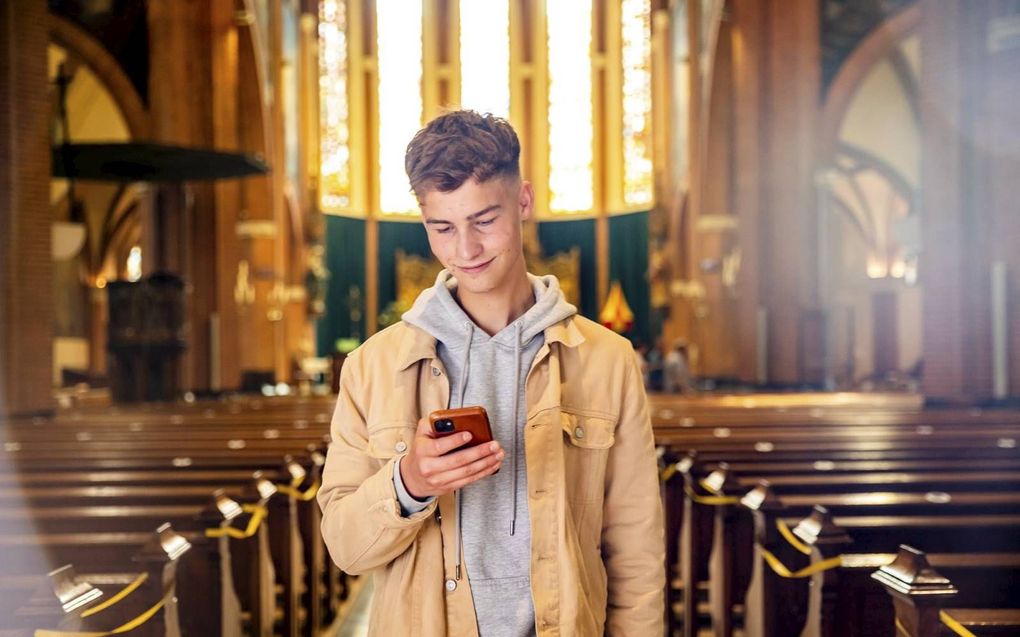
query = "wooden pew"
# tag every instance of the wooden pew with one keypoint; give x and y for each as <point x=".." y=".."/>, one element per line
<point x="919" y="593"/>
<point x="753" y="447"/>
<point x="840" y="590"/>
<point x="149" y="599"/>
<point x="316" y="583"/>
<point x="144" y="451"/>
<point x="281" y="554"/>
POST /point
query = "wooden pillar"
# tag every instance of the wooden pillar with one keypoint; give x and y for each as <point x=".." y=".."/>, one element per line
<point x="180" y="97"/>
<point x="26" y="267"/>
<point x="748" y="87"/>
<point x="788" y="225"/>
<point x="226" y="353"/>
<point x="759" y="129"/>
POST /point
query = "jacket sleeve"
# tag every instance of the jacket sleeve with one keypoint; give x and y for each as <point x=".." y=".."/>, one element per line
<point x="633" y="548"/>
<point x="362" y="524"/>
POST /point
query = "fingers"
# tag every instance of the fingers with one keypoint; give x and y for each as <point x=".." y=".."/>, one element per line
<point x="446" y="444"/>
<point x="468" y="456"/>
<point x="469" y="473"/>
<point x="485" y="472"/>
<point x="442" y="475"/>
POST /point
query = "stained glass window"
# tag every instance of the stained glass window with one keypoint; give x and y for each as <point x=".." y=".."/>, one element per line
<point x="637" y="102"/>
<point x="334" y="162"/>
<point x="400" y="104"/>
<point x="570" y="106"/>
<point x="485" y="56"/>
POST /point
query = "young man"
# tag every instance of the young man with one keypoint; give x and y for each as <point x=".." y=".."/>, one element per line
<point x="553" y="529"/>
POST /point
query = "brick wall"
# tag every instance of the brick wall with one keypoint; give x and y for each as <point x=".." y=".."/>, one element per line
<point x="26" y="296"/>
<point x="968" y="94"/>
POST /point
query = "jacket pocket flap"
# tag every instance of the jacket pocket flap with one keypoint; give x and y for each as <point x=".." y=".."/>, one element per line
<point x="389" y="440"/>
<point x="589" y="432"/>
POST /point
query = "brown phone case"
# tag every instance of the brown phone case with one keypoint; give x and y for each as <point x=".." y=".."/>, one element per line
<point x="470" y="419"/>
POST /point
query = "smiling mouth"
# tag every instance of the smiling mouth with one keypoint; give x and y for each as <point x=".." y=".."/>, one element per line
<point x="475" y="269"/>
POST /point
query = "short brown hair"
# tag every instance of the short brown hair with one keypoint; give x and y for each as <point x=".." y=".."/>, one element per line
<point x="459" y="145"/>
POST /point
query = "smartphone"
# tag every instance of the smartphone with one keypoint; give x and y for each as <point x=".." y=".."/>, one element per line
<point x="446" y="422"/>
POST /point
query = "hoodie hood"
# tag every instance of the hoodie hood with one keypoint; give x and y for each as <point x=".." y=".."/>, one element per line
<point x="437" y="312"/>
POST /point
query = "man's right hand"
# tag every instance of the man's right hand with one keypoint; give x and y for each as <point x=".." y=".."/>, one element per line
<point x="430" y="469"/>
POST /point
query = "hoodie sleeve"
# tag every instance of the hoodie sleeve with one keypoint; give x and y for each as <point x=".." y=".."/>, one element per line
<point x="409" y="504"/>
<point x="362" y="524"/>
<point x="633" y="547"/>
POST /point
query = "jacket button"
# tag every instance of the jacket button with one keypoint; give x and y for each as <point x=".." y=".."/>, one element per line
<point x="578" y="432"/>
<point x="435" y="371"/>
<point x="401" y="447"/>
<point x="451" y="585"/>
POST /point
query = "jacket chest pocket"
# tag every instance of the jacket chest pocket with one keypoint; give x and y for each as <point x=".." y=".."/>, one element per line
<point x="388" y="440"/>
<point x="586" y="444"/>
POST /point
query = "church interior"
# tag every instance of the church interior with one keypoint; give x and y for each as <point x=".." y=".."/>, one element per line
<point x="802" y="213"/>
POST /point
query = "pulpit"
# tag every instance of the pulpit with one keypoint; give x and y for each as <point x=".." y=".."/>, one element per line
<point x="146" y="337"/>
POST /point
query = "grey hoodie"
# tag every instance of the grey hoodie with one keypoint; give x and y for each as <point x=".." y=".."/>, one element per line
<point x="491" y="371"/>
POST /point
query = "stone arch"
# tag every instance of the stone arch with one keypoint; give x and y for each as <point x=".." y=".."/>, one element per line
<point x="853" y="71"/>
<point x="89" y="50"/>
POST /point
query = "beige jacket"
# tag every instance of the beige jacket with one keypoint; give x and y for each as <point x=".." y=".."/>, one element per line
<point x="597" y="553"/>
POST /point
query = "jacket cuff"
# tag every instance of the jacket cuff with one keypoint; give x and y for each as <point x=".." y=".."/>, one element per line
<point x="409" y="505"/>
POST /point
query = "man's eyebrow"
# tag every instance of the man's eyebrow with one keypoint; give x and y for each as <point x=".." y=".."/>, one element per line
<point x="470" y="217"/>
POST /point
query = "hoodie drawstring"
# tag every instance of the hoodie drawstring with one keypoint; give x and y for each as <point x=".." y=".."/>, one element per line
<point x="460" y="403"/>
<point x="465" y="363"/>
<point x="517" y="401"/>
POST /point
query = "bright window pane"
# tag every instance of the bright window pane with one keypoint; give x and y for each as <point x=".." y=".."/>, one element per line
<point x="485" y="56"/>
<point x="334" y="161"/>
<point x="637" y="102"/>
<point x="400" y="104"/>
<point x="570" y="107"/>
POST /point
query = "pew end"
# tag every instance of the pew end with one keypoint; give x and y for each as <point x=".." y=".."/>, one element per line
<point x="918" y="592"/>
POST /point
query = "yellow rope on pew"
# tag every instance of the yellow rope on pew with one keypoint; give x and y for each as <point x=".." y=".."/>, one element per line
<point x="123" y="628"/>
<point x="711" y="500"/>
<point x="124" y="592"/>
<point x="258" y="513"/>
<point x="788" y="535"/>
<point x="668" y="472"/>
<point x="303" y="496"/>
<point x="901" y="629"/>
<point x="807" y="571"/>
<point x="954" y="625"/>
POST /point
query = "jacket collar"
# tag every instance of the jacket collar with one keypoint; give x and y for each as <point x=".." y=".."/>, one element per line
<point x="417" y="344"/>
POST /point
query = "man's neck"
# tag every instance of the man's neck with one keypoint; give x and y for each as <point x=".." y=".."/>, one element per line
<point x="496" y="309"/>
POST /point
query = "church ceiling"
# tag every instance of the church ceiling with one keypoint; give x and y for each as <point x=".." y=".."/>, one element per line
<point x="845" y="23"/>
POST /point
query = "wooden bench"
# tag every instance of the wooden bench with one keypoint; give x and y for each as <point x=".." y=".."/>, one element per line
<point x="798" y="453"/>
<point x="182" y="460"/>
<point x="919" y="593"/>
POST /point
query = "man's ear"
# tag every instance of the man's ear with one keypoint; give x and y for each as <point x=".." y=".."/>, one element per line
<point x="526" y="200"/>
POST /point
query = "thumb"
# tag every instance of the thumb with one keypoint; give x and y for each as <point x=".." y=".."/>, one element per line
<point x="424" y="428"/>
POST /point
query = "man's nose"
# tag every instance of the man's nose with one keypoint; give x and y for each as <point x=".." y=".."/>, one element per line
<point x="468" y="246"/>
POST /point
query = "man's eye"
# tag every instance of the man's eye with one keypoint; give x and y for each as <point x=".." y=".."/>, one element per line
<point x="444" y="230"/>
<point x="486" y="222"/>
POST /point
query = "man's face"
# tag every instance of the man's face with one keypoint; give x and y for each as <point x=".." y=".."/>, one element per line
<point x="475" y="231"/>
